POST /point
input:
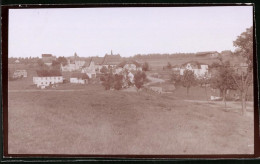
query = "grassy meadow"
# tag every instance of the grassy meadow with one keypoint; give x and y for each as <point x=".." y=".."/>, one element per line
<point x="90" y="120"/>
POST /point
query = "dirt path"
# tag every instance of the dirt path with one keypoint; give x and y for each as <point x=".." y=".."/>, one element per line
<point x="154" y="80"/>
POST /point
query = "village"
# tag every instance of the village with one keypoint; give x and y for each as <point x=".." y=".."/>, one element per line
<point x="159" y="79"/>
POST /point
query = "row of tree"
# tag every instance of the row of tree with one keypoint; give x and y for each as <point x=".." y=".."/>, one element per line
<point x="118" y="81"/>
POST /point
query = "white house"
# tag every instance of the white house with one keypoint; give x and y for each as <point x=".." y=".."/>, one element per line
<point x="76" y="80"/>
<point x="199" y="69"/>
<point x="46" y="81"/>
<point x="20" y="73"/>
<point x="79" y="78"/>
<point x="131" y="77"/>
<point x="90" y="70"/>
<point x="132" y="67"/>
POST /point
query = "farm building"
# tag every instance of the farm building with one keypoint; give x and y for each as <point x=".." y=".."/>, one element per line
<point x="47" y="59"/>
<point x="79" y="78"/>
<point x="47" y="81"/>
<point x="199" y="69"/>
<point x="20" y="73"/>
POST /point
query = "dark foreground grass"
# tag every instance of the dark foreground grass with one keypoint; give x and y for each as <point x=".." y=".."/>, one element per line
<point x="95" y="121"/>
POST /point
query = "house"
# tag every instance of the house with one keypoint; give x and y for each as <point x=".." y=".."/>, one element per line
<point x="20" y="73"/>
<point x="176" y="68"/>
<point x="43" y="82"/>
<point x="111" y="60"/>
<point x="118" y="70"/>
<point x="132" y="67"/>
<point x="199" y="69"/>
<point x="47" y="59"/>
<point x="79" y="78"/>
<point x="74" y="64"/>
<point x="91" y="69"/>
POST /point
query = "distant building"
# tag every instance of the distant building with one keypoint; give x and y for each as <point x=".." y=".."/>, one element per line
<point x="211" y="54"/>
<point x="132" y="67"/>
<point x="20" y="74"/>
<point x="176" y="68"/>
<point x="47" y="59"/>
<point x="111" y="60"/>
<point x="199" y="69"/>
<point x="16" y="61"/>
<point x="74" y="64"/>
<point x="91" y="69"/>
<point x="43" y="82"/>
<point x="79" y="78"/>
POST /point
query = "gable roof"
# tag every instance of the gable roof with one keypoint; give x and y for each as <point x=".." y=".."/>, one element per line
<point x="79" y="75"/>
<point x="46" y="55"/>
<point x="111" y="60"/>
<point x="96" y="60"/>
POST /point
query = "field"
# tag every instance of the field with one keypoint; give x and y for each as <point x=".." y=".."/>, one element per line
<point x="89" y="120"/>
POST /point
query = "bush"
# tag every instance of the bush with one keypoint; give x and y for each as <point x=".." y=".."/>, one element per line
<point x="139" y="79"/>
<point x="145" y="66"/>
<point x="108" y="81"/>
<point x="118" y="81"/>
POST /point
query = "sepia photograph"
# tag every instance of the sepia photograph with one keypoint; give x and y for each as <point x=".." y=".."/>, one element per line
<point x="131" y="81"/>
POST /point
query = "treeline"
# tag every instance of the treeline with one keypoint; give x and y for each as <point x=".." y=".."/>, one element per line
<point x="48" y="73"/>
<point x="26" y="60"/>
<point x="160" y="56"/>
<point x="119" y="81"/>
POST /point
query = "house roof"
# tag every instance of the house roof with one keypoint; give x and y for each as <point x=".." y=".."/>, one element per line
<point x="79" y="75"/>
<point x="111" y="60"/>
<point x="46" y="55"/>
<point x="96" y="60"/>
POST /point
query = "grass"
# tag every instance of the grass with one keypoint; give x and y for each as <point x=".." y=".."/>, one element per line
<point x="95" y="121"/>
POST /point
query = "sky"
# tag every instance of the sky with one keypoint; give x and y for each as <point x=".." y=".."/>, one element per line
<point x="125" y="31"/>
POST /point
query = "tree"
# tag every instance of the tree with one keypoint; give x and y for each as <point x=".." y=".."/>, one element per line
<point x="139" y="79"/>
<point x="107" y="81"/>
<point x="244" y="78"/>
<point x="104" y="70"/>
<point x="188" y="80"/>
<point x="118" y="81"/>
<point x="223" y="80"/>
<point x="40" y="63"/>
<point x="204" y="81"/>
<point x="175" y="78"/>
<point x="145" y="66"/>
<point x="62" y="60"/>
<point x="169" y="66"/>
